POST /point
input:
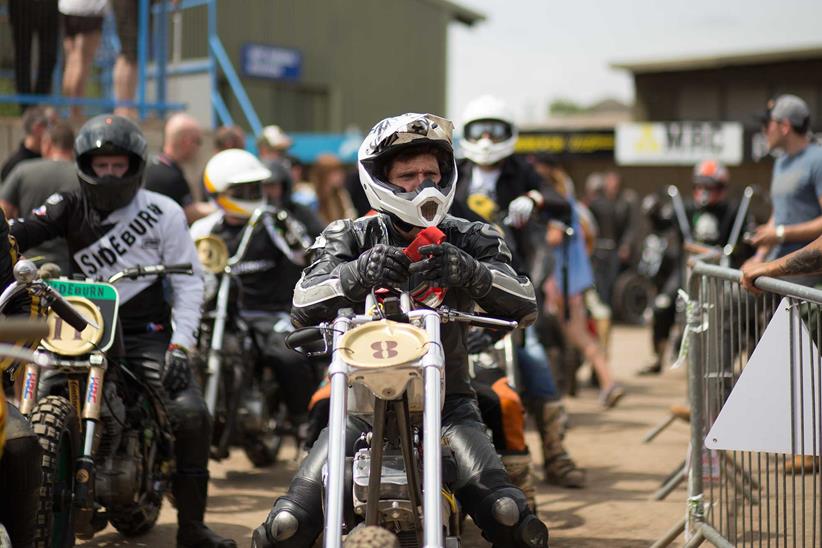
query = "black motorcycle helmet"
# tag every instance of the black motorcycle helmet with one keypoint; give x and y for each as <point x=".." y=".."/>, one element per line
<point x="659" y="211"/>
<point x="107" y="135"/>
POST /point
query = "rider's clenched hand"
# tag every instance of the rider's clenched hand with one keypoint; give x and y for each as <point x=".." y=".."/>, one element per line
<point x="447" y="265"/>
<point x="382" y="265"/>
<point x="177" y="372"/>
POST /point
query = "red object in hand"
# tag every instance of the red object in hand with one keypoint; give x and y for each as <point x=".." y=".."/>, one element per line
<point x="429" y="296"/>
<point x="428" y="236"/>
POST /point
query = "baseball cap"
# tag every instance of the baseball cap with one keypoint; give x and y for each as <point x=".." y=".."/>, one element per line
<point x="274" y="137"/>
<point x="790" y="108"/>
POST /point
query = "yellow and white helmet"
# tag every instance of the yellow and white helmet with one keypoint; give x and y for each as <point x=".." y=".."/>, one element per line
<point x="235" y="176"/>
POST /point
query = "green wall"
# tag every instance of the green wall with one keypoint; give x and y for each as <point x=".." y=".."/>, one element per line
<point x="362" y="60"/>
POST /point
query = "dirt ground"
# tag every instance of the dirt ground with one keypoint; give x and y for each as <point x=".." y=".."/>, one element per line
<point x="614" y="510"/>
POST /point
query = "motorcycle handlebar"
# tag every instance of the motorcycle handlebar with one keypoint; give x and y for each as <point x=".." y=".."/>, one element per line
<point x="67" y="312"/>
<point x="304" y="336"/>
<point x="152" y="270"/>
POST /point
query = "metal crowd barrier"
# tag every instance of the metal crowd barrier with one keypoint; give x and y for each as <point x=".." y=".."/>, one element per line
<point x="744" y="496"/>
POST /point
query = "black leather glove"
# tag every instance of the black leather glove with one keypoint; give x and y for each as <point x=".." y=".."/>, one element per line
<point x="449" y="266"/>
<point x="177" y="372"/>
<point x="382" y="265"/>
<point x="478" y="340"/>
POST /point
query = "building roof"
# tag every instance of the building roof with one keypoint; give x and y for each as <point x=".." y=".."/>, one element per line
<point x="582" y="121"/>
<point x="718" y="60"/>
<point x="461" y="14"/>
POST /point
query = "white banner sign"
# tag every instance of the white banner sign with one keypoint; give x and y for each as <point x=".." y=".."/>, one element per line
<point x="764" y="412"/>
<point x="678" y="143"/>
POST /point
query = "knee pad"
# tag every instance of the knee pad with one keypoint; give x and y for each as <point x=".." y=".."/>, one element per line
<point x="189" y="411"/>
<point x="296" y="518"/>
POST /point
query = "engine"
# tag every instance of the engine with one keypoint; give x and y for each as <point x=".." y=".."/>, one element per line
<point x="118" y="454"/>
<point x="395" y="503"/>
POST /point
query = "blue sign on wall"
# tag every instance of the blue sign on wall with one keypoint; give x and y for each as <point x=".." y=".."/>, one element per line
<point x="271" y="62"/>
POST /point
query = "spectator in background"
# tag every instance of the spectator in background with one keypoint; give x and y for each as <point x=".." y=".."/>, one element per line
<point x="35" y="182"/>
<point x="27" y="18"/>
<point x="82" y="28"/>
<point x="333" y="199"/>
<point x="227" y="137"/>
<point x="273" y="144"/>
<point x="182" y="138"/>
<point x="302" y="189"/>
<point x="125" y="68"/>
<point x="35" y="122"/>
<point x="796" y="185"/>
<point x="580" y="279"/>
<point x="614" y="212"/>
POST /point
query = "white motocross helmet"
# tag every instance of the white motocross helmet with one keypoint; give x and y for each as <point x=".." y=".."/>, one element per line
<point x="235" y="176"/>
<point x="488" y="131"/>
<point x="427" y="205"/>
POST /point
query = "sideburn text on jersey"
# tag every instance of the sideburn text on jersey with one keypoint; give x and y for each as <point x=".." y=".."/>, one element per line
<point x="113" y="245"/>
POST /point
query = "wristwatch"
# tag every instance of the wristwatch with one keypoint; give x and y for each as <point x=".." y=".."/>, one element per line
<point x="780" y="233"/>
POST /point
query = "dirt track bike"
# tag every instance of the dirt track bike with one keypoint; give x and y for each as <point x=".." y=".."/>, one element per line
<point x="106" y="437"/>
<point x="243" y="399"/>
<point x="387" y="368"/>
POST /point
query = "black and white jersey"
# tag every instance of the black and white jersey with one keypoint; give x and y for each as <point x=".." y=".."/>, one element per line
<point x="150" y="230"/>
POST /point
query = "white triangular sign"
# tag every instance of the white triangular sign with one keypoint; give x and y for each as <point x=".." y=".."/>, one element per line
<point x="757" y="413"/>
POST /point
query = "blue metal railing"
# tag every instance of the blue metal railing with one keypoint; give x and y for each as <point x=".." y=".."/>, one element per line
<point x="218" y="59"/>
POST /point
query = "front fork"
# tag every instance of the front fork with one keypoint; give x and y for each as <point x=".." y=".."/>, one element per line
<point x="89" y="410"/>
<point x="215" y="352"/>
<point x="84" y="473"/>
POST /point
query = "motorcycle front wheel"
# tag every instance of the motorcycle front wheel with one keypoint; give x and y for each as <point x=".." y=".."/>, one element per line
<point x="371" y="537"/>
<point x="54" y="420"/>
<point x="263" y="447"/>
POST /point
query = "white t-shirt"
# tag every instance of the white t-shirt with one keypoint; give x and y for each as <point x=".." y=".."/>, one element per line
<point x="484" y="182"/>
<point x="85" y="8"/>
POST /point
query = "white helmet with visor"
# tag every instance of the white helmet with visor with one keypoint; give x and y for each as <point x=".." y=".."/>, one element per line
<point x="401" y="136"/>
<point x="488" y="132"/>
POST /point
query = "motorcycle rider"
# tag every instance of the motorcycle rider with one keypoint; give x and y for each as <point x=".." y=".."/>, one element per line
<point x="666" y="274"/>
<point x="20" y="475"/>
<point x="510" y="183"/>
<point x="711" y="216"/>
<point x="241" y="184"/>
<point x="407" y="169"/>
<point x="110" y="224"/>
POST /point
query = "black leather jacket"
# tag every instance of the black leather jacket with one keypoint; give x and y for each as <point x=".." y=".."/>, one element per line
<point x="319" y="293"/>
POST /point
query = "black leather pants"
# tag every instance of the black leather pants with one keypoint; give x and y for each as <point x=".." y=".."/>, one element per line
<point x="481" y="478"/>
<point x="190" y="421"/>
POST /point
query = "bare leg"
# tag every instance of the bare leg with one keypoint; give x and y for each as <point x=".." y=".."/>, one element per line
<point x="576" y="331"/>
<point x="79" y="55"/>
<point x="125" y="85"/>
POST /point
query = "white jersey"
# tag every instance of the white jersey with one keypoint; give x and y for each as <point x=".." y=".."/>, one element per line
<point x="150" y="230"/>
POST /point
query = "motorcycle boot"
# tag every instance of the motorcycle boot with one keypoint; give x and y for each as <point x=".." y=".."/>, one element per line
<point x="483" y="486"/>
<point x="558" y="466"/>
<point x="503" y="513"/>
<point x="518" y="466"/>
<point x="190" y="492"/>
